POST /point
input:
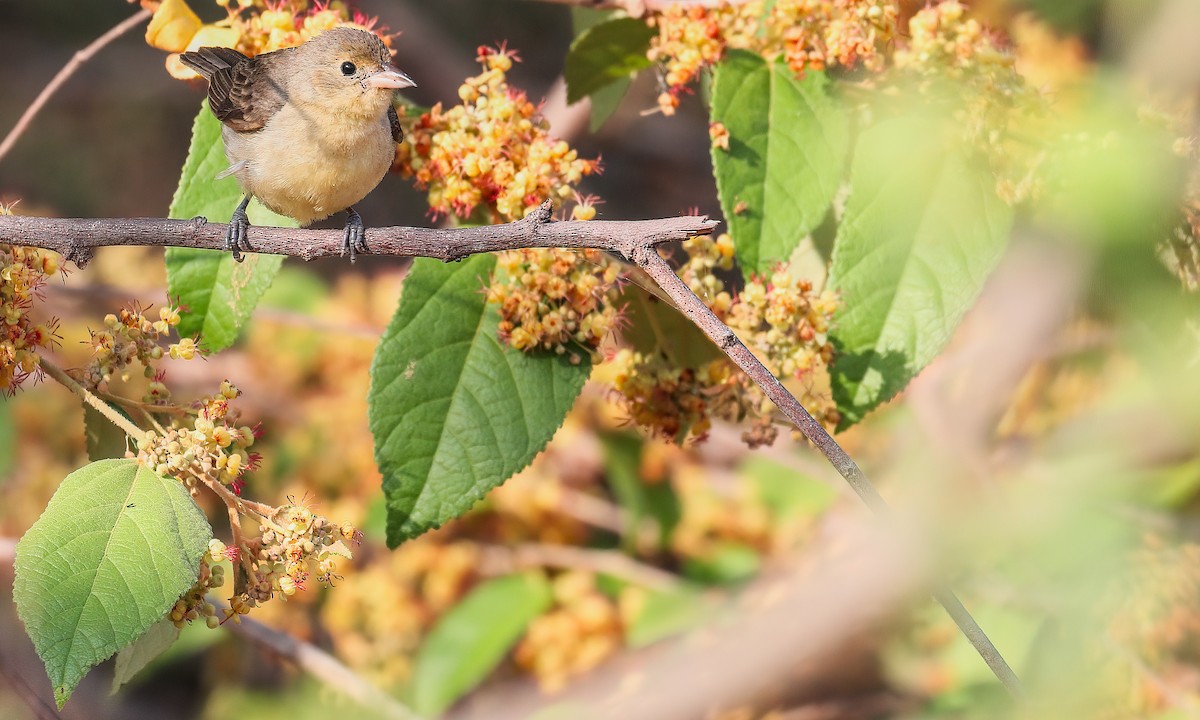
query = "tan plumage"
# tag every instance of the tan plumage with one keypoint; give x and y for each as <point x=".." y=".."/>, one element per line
<point x="309" y="130"/>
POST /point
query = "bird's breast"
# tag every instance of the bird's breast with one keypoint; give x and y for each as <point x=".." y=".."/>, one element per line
<point x="309" y="167"/>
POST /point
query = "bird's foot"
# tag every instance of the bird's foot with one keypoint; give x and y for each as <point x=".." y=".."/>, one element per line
<point x="235" y="238"/>
<point x="356" y="235"/>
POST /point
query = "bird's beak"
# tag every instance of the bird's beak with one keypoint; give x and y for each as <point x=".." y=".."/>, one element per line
<point x="389" y="78"/>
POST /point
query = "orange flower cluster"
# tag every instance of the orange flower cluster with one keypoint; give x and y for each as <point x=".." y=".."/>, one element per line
<point x="491" y="153"/>
<point x="265" y="26"/>
<point x="23" y="272"/>
<point x="671" y="402"/>
<point x="809" y="34"/>
<point x="251" y="27"/>
<point x="553" y="299"/>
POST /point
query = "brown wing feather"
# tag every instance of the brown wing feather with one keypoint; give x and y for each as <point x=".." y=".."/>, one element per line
<point x="394" y="119"/>
<point x="241" y="92"/>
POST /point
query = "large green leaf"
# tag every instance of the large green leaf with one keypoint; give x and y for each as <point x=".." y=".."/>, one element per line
<point x="788" y="141"/>
<point x="468" y="642"/>
<point x="455" y="412"/>
<point x="606" y="53"/>
<point x="922" y="231"/>
<point x="114" y="550"/>
<point x="219" y="293"/>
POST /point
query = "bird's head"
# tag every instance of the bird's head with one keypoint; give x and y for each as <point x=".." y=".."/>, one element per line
<point x="350" y="70"/>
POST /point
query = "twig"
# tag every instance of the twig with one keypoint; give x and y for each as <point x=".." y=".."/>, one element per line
<point x="503" y="559"/>
<point x="88" y="397"/>
<point x="322" y="666"/>
<point x="637" y="241"/>
<point x="704" y="318"/>
<point x="76" y="238"/>
<point x="67" y="71"/>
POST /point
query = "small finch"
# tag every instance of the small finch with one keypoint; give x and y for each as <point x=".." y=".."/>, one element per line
<point x="309" y="130"/>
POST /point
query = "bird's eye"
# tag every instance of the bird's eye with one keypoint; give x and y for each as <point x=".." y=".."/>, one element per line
<point x="348" y="68"/>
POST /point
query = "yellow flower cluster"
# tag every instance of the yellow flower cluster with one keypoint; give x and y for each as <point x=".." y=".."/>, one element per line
<point x="382" y="611"/>
<point x="943" y="37"/>
<point x="251" y="27"/>
<point x="492" y="153"/>
<point x="582" y="630"/>
<point x="295" y="541"/>
<point x="214" y="448"/>
<point x="23" y="272"/>
<point x="131" y="336"/>
<point x="784" y="321"/>
<point x="711" y="519"/>
<point x="554" y="299"/>
<point x="809" y="34"/>
<point x="947" y="44"/>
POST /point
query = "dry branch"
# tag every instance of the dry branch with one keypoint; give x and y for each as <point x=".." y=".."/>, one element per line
<point x="637" y="241"/>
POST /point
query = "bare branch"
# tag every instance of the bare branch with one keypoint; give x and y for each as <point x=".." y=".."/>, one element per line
<point x="76" y="238"/>
<point x="65" y="74"/>
<point x="637" y="241"/>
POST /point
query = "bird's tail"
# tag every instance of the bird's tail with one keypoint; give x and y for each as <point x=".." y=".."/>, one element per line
<point x="208" y="61"/>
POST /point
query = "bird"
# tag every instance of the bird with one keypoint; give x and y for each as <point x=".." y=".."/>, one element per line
<point x="308" y="130"/>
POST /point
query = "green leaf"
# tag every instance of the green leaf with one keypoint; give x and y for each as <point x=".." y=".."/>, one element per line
<point x="667" y="613"/>
<point x="114" y="550"/>
<point x="655" y="327"/>
<point x="922" y="231"/>
<point x="219" y="293"/>
<point x="468" y="642"/>
<point x="137" y="655"/>
<point x="605" y="102"/>
<point x="455" y="412"/>
<point x="103" y="438"/>
<point x="606" y="53"/>
<point x="788" y="141"/>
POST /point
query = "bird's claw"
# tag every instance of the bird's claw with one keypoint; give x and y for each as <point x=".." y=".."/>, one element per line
<point x="355" y="240"/>
<point x="235" y="238"/>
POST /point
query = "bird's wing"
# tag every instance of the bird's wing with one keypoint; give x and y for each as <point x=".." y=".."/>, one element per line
<point x="394" y="119"/>
<point x="241" y="92"/>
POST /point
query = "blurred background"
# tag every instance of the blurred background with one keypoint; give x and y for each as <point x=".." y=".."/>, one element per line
<point x="1047" y="465"/>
